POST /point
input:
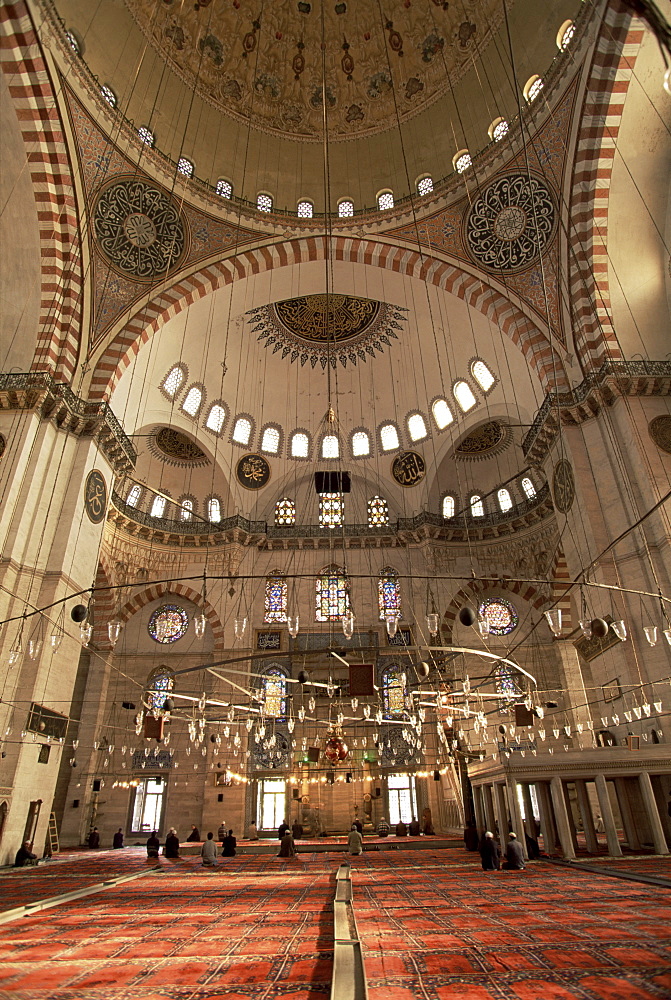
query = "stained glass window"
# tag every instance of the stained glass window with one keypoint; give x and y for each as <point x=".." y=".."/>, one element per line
<point x="345" y="209"/>
<point x="193" y="401"/>
<point x="159" y="685"/>
<point x="173" y="380"/>
<point x="214" y="510"/>
<point x="270" y="440"/>
<point x="389" y="437"/>
<point x="215" y="418"/>
<point x="274" y="693"/>
<point x="300" y="445"/>
<point x="464" y="396"/>
<point x="264" y="203"/>
<point x="417" y="427"/>
<point x="442" y="414"/>
<point x="146" y="135"/>
<point x="332" y="595"/>
<point x="158" y="507"/>
<point x="331" y="509"/>
<point x="505" y="685"/>
<point x="185" y="167"/>
<point x="500" y="614"/>
<point x="449" y="506"/>
<point x="168" y="623"/>
<point x="477" y="506"/>
<point x="529" y="488"/>
<point x="424" y="186"/>
<point x="378" y="512"/>
<point x="276" y="599"/>
<point x="360" y="444"/>
<point x="305" y="210"/>
<point x="285" y="511"/>
<point x="330" y="446"/>
<point x="482" y="375"/>
<point x="224" y="188"/>
<point x="242" y="430"/>
<point x="385" y="200"/>
<point x="505" y="503"/>
<point x="388" y="593"/>
<point x="393" y="691"/>
<point x="133" y="497"/>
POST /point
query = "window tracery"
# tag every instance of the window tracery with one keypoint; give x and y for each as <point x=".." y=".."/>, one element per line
<point x="242" y="430"/>
<point x="216" y="418"/>
<point x="393" y="692"/>
<point x="389" y="439"/>
<point x="276" y="597"/>
<point x="389" y="593"/>
<point x="442" y="414"/>
<point x="424" y="186"/>
<point x="214" y="510"/>
<point x="285" y="511"/>
<point x="477" y="506"/>
<point x="345" y="208"/>
<point x="378" y="512"/>
<point x="193" y="401"/>
<point x="417" y="428"/>
<point x="529" y="488"/>
<point x="505" y="502"/>
<point x="134" y="495"/>
<point x="173" y="381"/>
<point x="385" y="200"/>
<point x="270" y="439"/>
<point x="482" y="375"/>
<point x="224" y="188"/>
<point x="160" y="684"/>
<point x="274" y="693"/>
<point x="264" y="202"/>
<point x="146" y="135"/>
<point x="300" y="444"/>
<point x="500" y="614"/>
<point x="330" y="446"/>
<point x="360" y="444"/>
<point x="305" y="209"/>
<point x="449" y="506"/>
<point x="332" y="597"/>
<point x="331" y="510"/>
<point x="185" y="167"/>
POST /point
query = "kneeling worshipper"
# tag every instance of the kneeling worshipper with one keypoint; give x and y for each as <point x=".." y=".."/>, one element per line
<point x="153" y="844"/>
<point x="117" y="840"/>
<point x="383" y="828"/>
<point x="489" y="853"/>
<point x="208" y="851"/>
<point x="514" y="855"/>
<point x="355" y="841"/>
<point x="24" y="856"/>
<point x="287" y="849"/>
<point x="171" y="849"/>
<point x="194" y="835"/>
<point x="229" y="844"/>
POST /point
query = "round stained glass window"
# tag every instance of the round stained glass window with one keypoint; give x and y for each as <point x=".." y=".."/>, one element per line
<point x="500" y="614"/>
<point x="168" y="623"/>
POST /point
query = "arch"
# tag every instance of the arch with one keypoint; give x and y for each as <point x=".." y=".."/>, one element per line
<point x="528" y="337"/>
<point x="471" y="592"/>
<point x="37" y="111"/>
<point x="160" y="590"/>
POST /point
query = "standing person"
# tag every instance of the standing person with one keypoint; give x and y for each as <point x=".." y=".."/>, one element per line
<point x="208" y="851"/>
<point x="94" y="838"/>
<point x="471" y="837"/>
<point x="252" y="832"/>
<point x="355" y="841"/>
<point x="117" y="840"/>
<point x="153" y="844"/>
<point x="514" y="855"/>
<point x="194" y="835"/>
<point x="297" y="830"/>
<point x="25" y="856"/>
<point x="489" y="853"/>
<point x="287" y="849"/>
<point x="283" y="828"/>
<point x="383" y="828"/>
<point x="229" y="844"/>
<point x="171" y="849"/>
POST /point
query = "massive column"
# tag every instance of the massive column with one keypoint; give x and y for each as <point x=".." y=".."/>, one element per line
<point x="628" y="822"/>
<point x="607" y="816"/>
<point x="658" y="837"/>
<point x="489" y="808"/>
<point x="518" y="825"/>
<point x="586" y="814"/>
<point x="562" y="817"/>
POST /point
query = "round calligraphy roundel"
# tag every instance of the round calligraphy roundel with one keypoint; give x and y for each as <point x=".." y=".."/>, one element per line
<point x="252" y="472"/>
<point x="95" y="496"/>
<point x="139" y="228"/>
<point x="511" y="223"/>
<point x="408" y="468"/>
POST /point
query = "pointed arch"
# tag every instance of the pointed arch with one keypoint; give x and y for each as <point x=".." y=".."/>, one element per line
<point x="160" y="590"/>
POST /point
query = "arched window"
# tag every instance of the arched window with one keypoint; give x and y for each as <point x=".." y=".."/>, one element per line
<point x="216" y="418"/>
<point x="417" y="427"/>
<point x="532" y="88"/>
<point x="331" y="510"/>
<point x="442" y="414"/>
<point x="360" y="444"/>
<point x="564" y="35"/>
<point x="264" y="202"/>
<point x="332" y="595"/>
<point x="505" y="685"/>
<point x="193" y="401"/>
<point x="388" y="593"/>
<point x="186" y="509"/>
<point x="270" y="440"/>
<point x="214" y="510"/>
<point x="134" y="495"/>
<point x="285" y="511"/>
<point x="477" y="506"/>
<point x="305" y="209"/>
<point x="300" y="445"/>
<point x="185" y="167"/>
<point x="158" y="506"/>
<point x="449" y="506"/>
<point x="108" y="95"/>
<point x="146" y="135"/>
<point x="482" y="375"/>
<point x="173" y="381"/>
<point x="385" y="200"/>
<point x="529" y="488"/>
<point x="242" y="431"/>
<point x="393" y="691"/>
<point x="501" y="615"/>
<point x="505" y="503"/>
<point x="498" y="129"/>
<point x="160" y="683"/>
<point x="345" y="208"/>
<point x="389" y="437"/>
<point x="424" y="186"/>
<point x="330" y="446"/>
<point x="378" y="512"/>
<point x="277" y="592"/>
<point x="274" y="693"/>
<point x="224" y="188"/>
<point x="461" y="161"/>
<point x="464" y="396"/>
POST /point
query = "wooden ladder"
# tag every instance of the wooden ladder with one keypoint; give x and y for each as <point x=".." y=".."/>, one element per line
<point x="52" y="836"/>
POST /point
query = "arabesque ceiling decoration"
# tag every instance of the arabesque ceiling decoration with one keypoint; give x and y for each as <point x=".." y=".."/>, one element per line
<point x="263" y="63"/>
<point x="485" y="441"/>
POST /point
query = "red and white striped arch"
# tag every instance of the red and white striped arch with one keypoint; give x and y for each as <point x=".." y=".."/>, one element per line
<point x="161" y="590"/>
<point x="35" y="102"/>
<point x="533" y="343"/>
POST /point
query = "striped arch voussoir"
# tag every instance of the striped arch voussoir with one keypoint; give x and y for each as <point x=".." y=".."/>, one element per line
<point x="35" y="104"/>
<point x="161" y="590"/>
<point x="534" y="345"/>
<point x="471" y="592"/>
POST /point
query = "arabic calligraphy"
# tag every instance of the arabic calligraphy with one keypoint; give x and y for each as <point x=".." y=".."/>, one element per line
<point x="319" y="317"/>
<point x="253" y="472"/>
<point x="268" y="640"/>
<point x="95" y="496"/>
<point x="408" y="468"/>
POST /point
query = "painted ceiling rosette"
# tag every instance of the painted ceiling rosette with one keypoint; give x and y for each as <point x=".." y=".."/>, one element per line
<point x="263" y="63"/>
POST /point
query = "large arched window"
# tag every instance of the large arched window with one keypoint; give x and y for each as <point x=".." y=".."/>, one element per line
<point x="330" y="446"/>
<point x="134" y="495"/>
<point x="274" y="693"/>
<point x="378" y="512"/>
<point x="186" y="509"/>
<point x="482" y="375"/>
<point x="360" y="444"/>
<point x="505" y="685"/>
<point x="277" y="592"/>
<point x="449" y="506"/>
<point x="332" y="596"/>
<point x="505" y="503"/>
<point x="193" y="401"/>
<point x="385" y="200"/>
<point x="393" y="691"/>
<point x="242" y="431"/>
<point x="160" y="683"/>
<point x="477" y="506"/>
<point x="529" y="488"/>
<point x="214" y="510"/>
<point x="300" y="445"/>
<point x="158" y="506"/>
<point x="416" y="425"/>
<point x="270" y="439"/>
<point x="173" y="380"/>
<point x="388" y="593"/>
<point x="424" y="186"/>
<point x="285" y="511"/>
<point x="464" y="396"/>
<point x="442" y="414"/>
<point x="216" y="418"/>
<point x="389" y="439"/>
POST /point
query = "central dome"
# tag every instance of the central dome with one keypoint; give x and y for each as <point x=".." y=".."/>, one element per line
<point x="266" y="68"/>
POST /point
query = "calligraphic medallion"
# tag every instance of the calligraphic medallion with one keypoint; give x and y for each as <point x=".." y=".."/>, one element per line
<point x="659" y="429"/>
<point x="253" y="472"/>
<point x="408" y="468"/>
<point x="95" y="496"/>
<point x="563" y="486"/>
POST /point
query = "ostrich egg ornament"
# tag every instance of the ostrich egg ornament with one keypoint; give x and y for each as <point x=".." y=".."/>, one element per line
<point x="336" y="749"/>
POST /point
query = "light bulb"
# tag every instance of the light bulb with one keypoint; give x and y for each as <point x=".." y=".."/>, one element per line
<point x="348" y="625"/>
<point x="85" y="633"/>
<point x="292" y="625"/>
<point x="620" y="630"/>
<point x="291" y="725"/>
<point x="239" y="626"/>
<point x="199" y="625"/>
<point x="113" y="632"/>
<point x="553" y="618"/>
<point x="355" y="704"/>
<point x="432" y="622"/>
<point x="311" y="703"/>
<point x="651" y="634"/>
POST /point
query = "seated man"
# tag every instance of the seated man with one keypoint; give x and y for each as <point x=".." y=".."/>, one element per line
<point x="514" y="854"/>
<point x="383" y="828"/>
<point x="153" y="844"/>
<point x="24" y="856"/>
<point x="194" y="836"/>
<point x="401" y="829"/>
<point x="287" y="849"/>
<point x="355" y="841"/>
<point x="413" y="829"/>
<point x="171" y="849"/>
<point x="208" y="851"/>
<point x="229" y="844"/>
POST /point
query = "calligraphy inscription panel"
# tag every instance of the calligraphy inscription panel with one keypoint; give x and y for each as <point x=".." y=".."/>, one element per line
<point x="253" y="472"/>
<point x="95" y="496"/>
<point x="408" y="468"/>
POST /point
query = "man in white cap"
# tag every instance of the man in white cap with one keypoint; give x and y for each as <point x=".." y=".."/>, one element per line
<point x="514" y="855"/>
